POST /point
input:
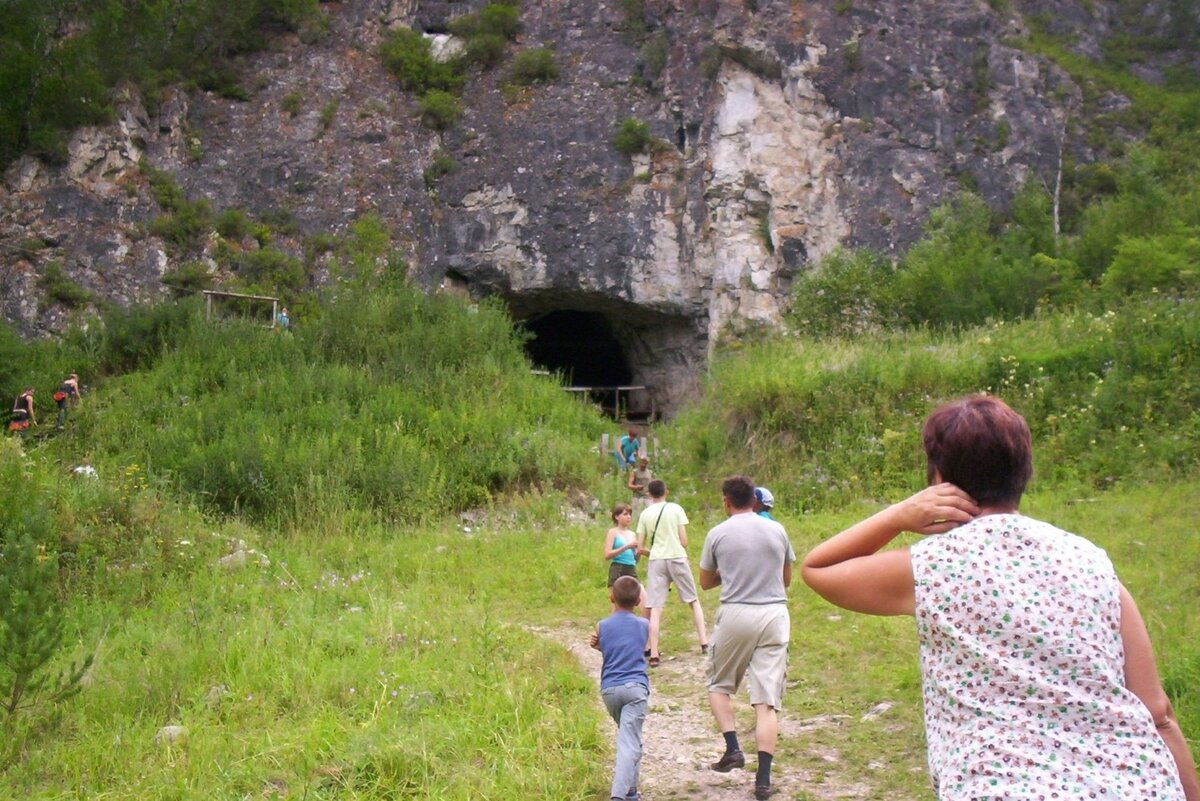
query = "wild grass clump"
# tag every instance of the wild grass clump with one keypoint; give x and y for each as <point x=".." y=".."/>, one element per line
<point x="404" y="404"/>
<point x="1111" y="397"/>
<point x="366" y="661"/>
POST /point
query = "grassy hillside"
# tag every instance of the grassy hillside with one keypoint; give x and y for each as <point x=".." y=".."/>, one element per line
<point x="271" y="556"/>
<point x="1110" y="397"/>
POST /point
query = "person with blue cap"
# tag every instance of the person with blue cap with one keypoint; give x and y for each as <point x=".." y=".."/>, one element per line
<point x="763" y="502"/>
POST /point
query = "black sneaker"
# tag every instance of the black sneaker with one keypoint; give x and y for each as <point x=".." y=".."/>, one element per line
<point x="762" y="792"/>
<point x="728" y="761"/>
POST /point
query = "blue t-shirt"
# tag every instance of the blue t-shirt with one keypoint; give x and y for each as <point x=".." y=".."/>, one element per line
<point x="623" y="643"/>
<point x="624" y="557"/>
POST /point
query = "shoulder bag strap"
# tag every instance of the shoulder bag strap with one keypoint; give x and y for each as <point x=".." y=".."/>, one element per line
<point x="656" y="522"/>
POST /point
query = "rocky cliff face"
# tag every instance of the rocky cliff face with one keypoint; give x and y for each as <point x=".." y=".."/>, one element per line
<point x="787" y="128"/>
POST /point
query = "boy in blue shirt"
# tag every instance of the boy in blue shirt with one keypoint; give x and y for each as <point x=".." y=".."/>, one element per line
<point x="624" y="683"/>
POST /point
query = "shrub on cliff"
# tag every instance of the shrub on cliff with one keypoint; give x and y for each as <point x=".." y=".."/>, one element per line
<point x="409" y="56"/>
<point x="439" y="110"/>
<point x="534" y="66"/>
<point x="633" y="136"/>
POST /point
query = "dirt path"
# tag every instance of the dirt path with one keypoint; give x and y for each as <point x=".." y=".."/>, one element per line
<point x="681" y="739"/>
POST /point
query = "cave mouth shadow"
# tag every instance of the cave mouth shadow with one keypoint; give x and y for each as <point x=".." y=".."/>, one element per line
<point x="579" y="345"/>
<point x="583" y="348"/>
<point x="595" y="343"/>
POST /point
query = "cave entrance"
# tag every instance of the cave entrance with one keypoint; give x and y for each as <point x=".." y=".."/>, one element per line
<point x="583" y="348"/>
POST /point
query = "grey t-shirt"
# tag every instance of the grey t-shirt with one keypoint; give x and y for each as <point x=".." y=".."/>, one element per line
<point x="750" y="552"/>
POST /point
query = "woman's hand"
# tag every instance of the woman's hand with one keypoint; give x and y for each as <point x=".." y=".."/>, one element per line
<point x="935" y="510"/>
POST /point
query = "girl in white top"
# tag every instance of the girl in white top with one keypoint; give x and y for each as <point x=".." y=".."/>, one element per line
<point x="1038" y="677"/>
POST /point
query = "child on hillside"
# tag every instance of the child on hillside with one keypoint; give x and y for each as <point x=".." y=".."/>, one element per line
<point x="620" y="545"/>
<point x="624" y="683"/>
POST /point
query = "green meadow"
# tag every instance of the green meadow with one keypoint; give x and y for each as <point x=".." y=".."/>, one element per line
<point x="318" y="553"/>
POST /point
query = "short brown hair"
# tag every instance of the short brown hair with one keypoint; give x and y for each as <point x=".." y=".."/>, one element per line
<point x="620" y="507"/>
<point x="981" y="446"/>
<point x="657" y="488"/>
<point x="626" y="591"/>
<point x="740" y="492"/>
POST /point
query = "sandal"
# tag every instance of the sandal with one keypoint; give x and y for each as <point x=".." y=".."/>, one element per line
<point x="653" y="662"/>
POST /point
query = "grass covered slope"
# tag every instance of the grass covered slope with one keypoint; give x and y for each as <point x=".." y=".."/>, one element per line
<point x="258" y="561"/>
<point x="1110" y="397"/>
<point x="392" y="401"/>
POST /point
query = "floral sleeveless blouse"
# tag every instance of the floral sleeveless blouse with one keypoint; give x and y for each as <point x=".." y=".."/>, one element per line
<point x="1022" y="670"/>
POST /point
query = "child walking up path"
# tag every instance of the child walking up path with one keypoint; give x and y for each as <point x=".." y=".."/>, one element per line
<point x="677" y="739"/>
<point x="624" y="685"/>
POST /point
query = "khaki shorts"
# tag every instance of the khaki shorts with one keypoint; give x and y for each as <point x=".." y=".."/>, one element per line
<point x="750" y="638"/>
<point x="662" y="572"/>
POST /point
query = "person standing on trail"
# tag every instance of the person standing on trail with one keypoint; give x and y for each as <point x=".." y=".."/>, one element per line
<point x="22" y="413"/>
<point x="750" y="558"/>
<point x="662" y="532"/>
<point x="1037" y="671"/>
<point x="639" y="482"/>
<point x="627" y="450"/>
<point x="620" y="545"/>
<point x="68" y="393"/>
<point x="624" y="683"/>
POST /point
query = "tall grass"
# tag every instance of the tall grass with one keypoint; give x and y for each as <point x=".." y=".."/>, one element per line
<point x="1110" y="397"/>
<point x="408" y="405"/>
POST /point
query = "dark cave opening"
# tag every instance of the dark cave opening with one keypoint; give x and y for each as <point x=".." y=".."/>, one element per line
<point x="580" y="345"/>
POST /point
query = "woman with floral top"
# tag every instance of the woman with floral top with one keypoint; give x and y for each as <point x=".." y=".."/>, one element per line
<point x="1037" y="674"/>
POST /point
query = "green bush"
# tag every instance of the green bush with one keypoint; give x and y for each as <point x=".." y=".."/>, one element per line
<point x="1168" y="262"/>
<point x="59" y="62"/>
<point x="633" y="136"/>
<point x="849" y="293"/>
<point x="499" y="19"/>
<point x="409" y="56"/>
<point x="387" y="399"/>
<point x="270" y="270"/>
<point x="1110" y="397"/>
<point x="442" y="165"/>
<point x="486" y="50"/>
<point x="439" y="110"/>
<point x="325" y="118"/>
<point x="960" y="273"/>
<point x="58" y="288"/>
<point x="533" y="66"/>
<point x="234" y="224"/>
<point x="191" y="276"/>
<point x="186" y="226"/>
<point x="292" y="103"/>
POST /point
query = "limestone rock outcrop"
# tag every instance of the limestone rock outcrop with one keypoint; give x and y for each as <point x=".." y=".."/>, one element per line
<point x="783" y="130"/>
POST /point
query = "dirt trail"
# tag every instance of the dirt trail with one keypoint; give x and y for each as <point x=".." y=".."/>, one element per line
<point x="681" y="739"/>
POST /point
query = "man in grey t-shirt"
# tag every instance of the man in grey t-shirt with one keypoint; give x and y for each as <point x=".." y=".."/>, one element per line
<point x="750" y="559"/>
